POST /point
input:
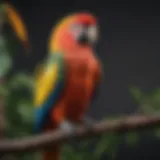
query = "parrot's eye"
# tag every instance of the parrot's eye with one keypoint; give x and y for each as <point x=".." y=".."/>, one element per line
<point x="77" y="29"/>
<point x="92" y="33"/>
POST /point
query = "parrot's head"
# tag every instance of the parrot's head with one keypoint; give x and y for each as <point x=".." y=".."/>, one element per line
<point x="76" y="30"/>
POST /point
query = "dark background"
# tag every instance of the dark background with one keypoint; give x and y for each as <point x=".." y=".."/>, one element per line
<point x="128" y="48"/>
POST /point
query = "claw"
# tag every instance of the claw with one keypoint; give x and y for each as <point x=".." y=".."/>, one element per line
<point x="67" y="127"/>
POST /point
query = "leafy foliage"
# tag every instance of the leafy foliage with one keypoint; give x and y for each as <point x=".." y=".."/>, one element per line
<point x="149" y="103"/>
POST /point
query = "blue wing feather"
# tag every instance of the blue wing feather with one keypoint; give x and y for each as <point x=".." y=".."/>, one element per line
<point x="42" y="111"/>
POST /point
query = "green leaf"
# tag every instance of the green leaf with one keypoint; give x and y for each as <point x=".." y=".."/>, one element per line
<point x="146" y="108"/>
<point x="6" y="63"/>
<point x="4" y="90"/>
<point x="151" y="103"/>
<point x="132" y="138"/>
<point x="148" y="102"/>
<point x="22" y="80"/>
<point x="157" y="132"/>
<point x="19" y="112"/>
<point x="84" y="144"/>
<point x="136" y="93"/>
<point x="101" y="146"/>
<point x="68" y="153"/>
<point x="107" y="143"/>
<point x="25" y="109"/>
<point x="112" y="150"/>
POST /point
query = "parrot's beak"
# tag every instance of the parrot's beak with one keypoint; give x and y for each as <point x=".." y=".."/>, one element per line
<point x="88" y="36"/>
<point x="83" y="39"/>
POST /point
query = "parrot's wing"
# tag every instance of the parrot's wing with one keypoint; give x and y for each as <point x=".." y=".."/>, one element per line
<point x="48" y="87"/>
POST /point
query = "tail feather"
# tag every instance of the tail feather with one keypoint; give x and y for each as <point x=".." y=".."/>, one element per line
<point x="52" y="154"/>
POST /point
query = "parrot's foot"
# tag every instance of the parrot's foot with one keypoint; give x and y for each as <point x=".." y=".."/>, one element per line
<point x="67" y="127"/>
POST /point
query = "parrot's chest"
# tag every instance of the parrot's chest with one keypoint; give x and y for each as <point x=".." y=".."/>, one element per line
<point x="82" y="77"/>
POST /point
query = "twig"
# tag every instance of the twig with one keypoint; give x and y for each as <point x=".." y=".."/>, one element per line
<point x="47" y="140"/>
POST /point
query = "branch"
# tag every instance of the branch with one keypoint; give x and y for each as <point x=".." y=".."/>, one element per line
<point x="50" y="139"/>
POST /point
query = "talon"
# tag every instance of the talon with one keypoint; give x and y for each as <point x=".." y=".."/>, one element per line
<point x="67" y="127"/>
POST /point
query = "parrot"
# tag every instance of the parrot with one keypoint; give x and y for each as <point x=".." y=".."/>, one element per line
<point x="67" y="82"/>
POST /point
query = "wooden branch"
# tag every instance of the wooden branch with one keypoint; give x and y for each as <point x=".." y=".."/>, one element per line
<point x="50" y="139"/>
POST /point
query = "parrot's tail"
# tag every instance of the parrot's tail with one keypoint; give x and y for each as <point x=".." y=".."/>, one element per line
<point x="52" y="154"/>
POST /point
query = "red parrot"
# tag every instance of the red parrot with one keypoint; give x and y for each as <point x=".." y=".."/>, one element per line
<point x="68" y="80"/>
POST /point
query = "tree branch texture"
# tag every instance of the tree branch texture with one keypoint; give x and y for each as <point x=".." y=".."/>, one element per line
<point x="50" y="139"/>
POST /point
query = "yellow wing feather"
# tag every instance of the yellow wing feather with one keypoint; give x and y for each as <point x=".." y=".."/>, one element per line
<point x="45" y="83"/>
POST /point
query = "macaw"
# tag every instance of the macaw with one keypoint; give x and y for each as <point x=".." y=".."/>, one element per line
<point x="67" y="81"/>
